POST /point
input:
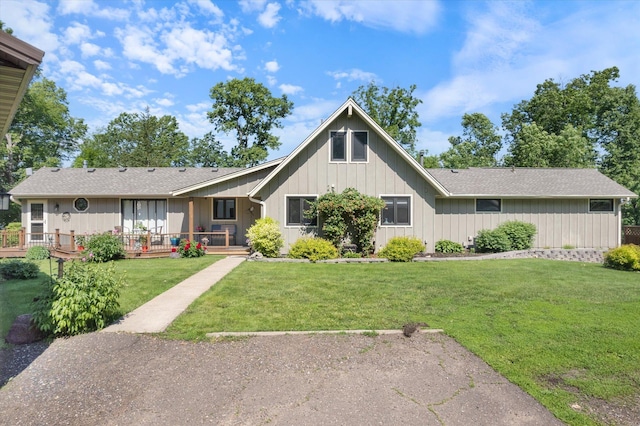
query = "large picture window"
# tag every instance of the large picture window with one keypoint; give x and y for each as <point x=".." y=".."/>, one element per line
<point x="488" y="205"/>
<point x="601" y="205"/>
<point x="296" y="207"/>
<point x="144" y="214"/>
<point x="396" y="211"/>
<point x="338" y="146"/>
<point x="224" y="209"/>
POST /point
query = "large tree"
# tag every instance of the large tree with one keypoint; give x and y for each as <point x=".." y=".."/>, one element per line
<point x="208" y="152"/>
<point x="478" y="146"/>
<point x="250" y="110"/>
<point x="393" y="109"/>
<point x="137" y="140"/>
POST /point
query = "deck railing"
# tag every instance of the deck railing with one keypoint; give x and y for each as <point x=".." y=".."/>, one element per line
<point x="631" y="235"/>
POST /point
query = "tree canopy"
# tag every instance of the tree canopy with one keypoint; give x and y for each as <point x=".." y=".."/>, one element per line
<point x="478" y="146"/>
<point x="394" y="110"/>
<point x="137" y="140"/>
<point x="250" y="110"/>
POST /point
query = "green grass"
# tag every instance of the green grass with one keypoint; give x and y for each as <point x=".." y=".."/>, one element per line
<point x="144" y="279"/>
<point x="562" y="331"/>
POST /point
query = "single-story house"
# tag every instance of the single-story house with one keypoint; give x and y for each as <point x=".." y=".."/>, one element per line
<point x="577" y="207"/>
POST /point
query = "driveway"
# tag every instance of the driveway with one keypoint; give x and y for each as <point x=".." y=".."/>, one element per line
<point x="130" y="379"/>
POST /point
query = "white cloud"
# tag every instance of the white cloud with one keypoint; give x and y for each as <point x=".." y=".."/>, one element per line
<point x="89" y="49"/>
<point x="165" y="102"/>
<point x="354" y="74"/>
<point x="32" y="22"/>
<point x="252" y="5"/>
<point x="290" y="89"/>
<point x="271" y="80"/>
<point x="101" y="65"/>
<point x="272" y="66"/>
<point x="208" y="7"/>
<point x="206" y="49"/>
<point x="269" y="18"/>
<point x="139" y="44"/>
<point x="77" y="33"/>
<point x="405" y="16"/>
<point x="91" y="8"/>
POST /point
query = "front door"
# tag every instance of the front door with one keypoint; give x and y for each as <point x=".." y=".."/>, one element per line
<point x="37" y="221"/>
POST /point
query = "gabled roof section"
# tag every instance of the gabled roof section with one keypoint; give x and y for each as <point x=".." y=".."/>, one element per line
<point x="529" y="183"/>
<point x="18" y="64"/>
<point x="239" y="173"/>
<point x="144" y="182"/>
<point x="353" y="108"/>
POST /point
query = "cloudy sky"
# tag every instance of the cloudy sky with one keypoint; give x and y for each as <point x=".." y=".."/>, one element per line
<point x="464" y="56"/>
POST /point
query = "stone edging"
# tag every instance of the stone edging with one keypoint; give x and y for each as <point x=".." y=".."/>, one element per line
<point x="576" y="255"/>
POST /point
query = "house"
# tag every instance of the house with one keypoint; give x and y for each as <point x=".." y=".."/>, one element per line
<point x="577" y="207"/>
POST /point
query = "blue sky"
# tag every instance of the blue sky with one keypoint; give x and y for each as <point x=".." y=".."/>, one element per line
<point x="464" y="56"/>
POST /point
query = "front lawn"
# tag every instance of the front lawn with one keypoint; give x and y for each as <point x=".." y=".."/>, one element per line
<point x="144" y="279"/>
<point x="565" y="332"/>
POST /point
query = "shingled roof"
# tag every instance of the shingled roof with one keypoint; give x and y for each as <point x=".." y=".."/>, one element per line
<point x="529" y="183"/>
<point x="115" y="182"/>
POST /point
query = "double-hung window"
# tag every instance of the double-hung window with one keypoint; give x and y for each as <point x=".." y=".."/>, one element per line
<point x="359" y="141"/>
<point x="396" y="211"/>
<point x="224" y="209"/>
<point x="338" y="146"/>
<point x="352" y="145"/>
<point x="296" y="206"/>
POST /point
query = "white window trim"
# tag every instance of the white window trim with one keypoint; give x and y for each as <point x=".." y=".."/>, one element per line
<point x="348" y="147"/>
<point x="213" y="210"/>
<point x="286" y="210"/>
<point x="475" y="205"/>
<point x="411" y="216"/>
<point x="45" y="217"/>
<point x="613" y="206"/>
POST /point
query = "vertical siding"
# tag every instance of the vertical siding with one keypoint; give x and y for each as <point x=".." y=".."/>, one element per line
<point x="312" y="173"/>
<point x="560" y="222"/>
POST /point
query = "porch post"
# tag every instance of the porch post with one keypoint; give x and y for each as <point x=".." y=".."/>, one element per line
<point x="191" y="218"/>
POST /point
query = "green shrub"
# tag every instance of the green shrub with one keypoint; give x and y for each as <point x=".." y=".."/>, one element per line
<point x="16" y="269"/>
<point x="85" y="299"/>
<point x="492" y="241"/>
<point x="13" y="229"/>
<point x="265" y="237"/>
<point x="351" y="255"/>
<point x="626" y="257"/>
<point x="313" y="249"/>
<point x="447" y="246"/>
<point x="37" y="253"/>
<point x="402" y="249"/>
<point x="104" y="247"/>
<point x="191" y="249"/>
<point x="520" y="234"/>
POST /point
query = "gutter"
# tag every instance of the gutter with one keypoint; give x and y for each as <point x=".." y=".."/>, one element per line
<point x="263" y="206"/>
<point x="15" y="200"/>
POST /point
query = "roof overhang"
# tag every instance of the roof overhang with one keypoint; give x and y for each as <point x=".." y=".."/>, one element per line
<point x="18" y="64"/>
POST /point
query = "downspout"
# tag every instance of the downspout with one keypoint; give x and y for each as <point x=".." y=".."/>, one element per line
<point x="15" y="200"/>
<point x="263" y="207"/>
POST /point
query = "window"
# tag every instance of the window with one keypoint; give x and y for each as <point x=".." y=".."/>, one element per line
<point x="224" y="209"/>
<point x="296" y="207"/>
<point x="396" y="211"/>
<point x="338" y="146"/>
<point x="81" y="204"/>
<point x="359" y="146"/>
<point x="488" y="205"/>
<point x="150" y="214"/>
<point x="604" y="205"/>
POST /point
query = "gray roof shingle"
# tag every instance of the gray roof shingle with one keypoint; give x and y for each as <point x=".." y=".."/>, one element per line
<point x="528" y="182"/>
<point x="114" y="182"/>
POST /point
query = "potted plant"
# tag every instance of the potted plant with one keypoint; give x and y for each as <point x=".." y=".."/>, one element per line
<point x="81" y="241"/>
<point x="175" y="240"/>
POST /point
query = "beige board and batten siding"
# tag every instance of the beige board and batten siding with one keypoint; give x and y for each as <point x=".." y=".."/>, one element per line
<point x="101" y="216"/>
<point x="311" y="172"/>
<point x="559" y="222"/>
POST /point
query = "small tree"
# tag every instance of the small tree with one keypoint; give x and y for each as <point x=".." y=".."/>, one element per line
<point x="349" y="215"/>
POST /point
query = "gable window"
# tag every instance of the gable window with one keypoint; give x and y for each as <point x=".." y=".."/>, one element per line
<point x="338" y="146"/>
<point x="81" y="204"/>
<point x="224" y="209"/>
<point x="488" y="205"/>
<point x="359" y="142"/>
<point x="396" y="211"/>
<point x="601" y="205"/>
<point x="296" y="206"/>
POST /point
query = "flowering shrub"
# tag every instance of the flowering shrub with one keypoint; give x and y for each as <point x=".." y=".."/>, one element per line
<point x="191" y="249"/>
<point x="265" y="237"/>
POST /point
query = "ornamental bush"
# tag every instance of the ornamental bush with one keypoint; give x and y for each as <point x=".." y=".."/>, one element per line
<point x="189" y="248"/>
<point x="16" y="269"/>
<point x="520" y="234"/>
<point x="492" y="241"/>
<point x="448" y="246"/>
<point x="85" y="299"/>
<point x="104" y="247"/>
<point x="402" y="249"/>
<point x="37" y="253"/>
<point x="313" y="248"/>
<point x="626" y="258"/>
<point x="265" y="237"/>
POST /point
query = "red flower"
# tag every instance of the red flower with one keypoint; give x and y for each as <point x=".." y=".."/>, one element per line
<point x="173" y="249"/>
<point x="199" y="246"/>
<point x="187" y="246"/>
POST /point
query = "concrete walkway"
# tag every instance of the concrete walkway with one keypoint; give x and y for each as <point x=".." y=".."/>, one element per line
<point x="156" y="315"/>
